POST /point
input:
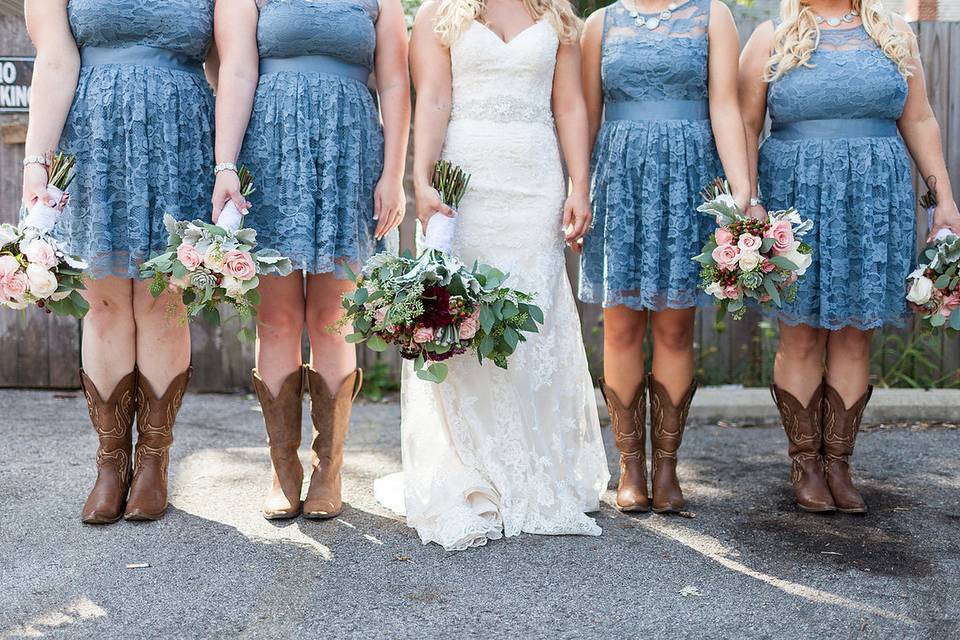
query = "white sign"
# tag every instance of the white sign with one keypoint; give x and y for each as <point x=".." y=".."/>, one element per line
<point x="16" y="76"/>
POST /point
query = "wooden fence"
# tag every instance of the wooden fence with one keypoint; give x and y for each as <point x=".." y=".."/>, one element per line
<point x="41" y="351"/>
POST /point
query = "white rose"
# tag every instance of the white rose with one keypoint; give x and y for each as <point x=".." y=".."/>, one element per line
<point x="749" y="260"/>
<point x="920" y="291"/>
<point x="42" y="282"/>
<point x="8" y="234"/>
<point x="40" y="252"/>
<point x="802" y="260"/>
<point x="714" y="289"/>
<point x="214" y="258"/>
<point x="233" y="287"/>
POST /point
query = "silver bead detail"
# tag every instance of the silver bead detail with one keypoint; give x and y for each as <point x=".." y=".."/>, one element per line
<point x="653" y="23"/>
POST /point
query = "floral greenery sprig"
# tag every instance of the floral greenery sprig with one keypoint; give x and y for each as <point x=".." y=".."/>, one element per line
<point x="451" y="182"/>
<point x="934" y="287"/>
<point x="209" y="265"/>
<point x="433" y="307"/>
<point x="747" y="258"/>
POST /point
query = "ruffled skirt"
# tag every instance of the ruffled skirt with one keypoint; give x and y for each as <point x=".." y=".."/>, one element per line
<point x="315" y="147"/>
<point x="647" y="178"/>
<point x="860" y="197"/>
<point x="143" y="137"/>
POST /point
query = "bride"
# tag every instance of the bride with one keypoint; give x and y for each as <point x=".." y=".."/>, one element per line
<point x="491" y="453"/>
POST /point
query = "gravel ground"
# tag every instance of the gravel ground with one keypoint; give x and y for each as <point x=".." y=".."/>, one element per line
<point x="744" y="564"/>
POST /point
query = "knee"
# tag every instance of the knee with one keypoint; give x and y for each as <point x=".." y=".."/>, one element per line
<point x="674" y="336"/>
<point x="322" y="319"/>
<point x="854" y="344"/>
<point x="280" y="321"/>
<point x="107" y="314"/>
<point x="802" y="345"/>
<point x="620" y="335"/>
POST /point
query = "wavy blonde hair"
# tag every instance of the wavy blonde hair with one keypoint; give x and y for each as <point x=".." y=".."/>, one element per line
<point x="454" y="16"/>
<point x="798" y="36"/>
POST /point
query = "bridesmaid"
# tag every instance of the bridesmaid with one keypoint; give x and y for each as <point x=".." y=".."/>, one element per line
<point x="845" y="92"/>
<point x="661" y="78"/>
<point x="120" y="83"/>
<point x="329" y="184"/>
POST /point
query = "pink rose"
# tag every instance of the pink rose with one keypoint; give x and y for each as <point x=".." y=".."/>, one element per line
<point x="40" y="252"/>
<point x="470" y="325"/>
<point x="749" y="242"/>
<point x="723" y="236"/>
<point x="950" y="303"/>
<point x="14" y="287"/>
<point x="782" y="235"/>
<point x="188" y="256"/>
<point x="239" y="264"/>
<point x="726" y="256"/>
<point x="8" y="266"/>
<point x="423" y="334"/>
<point x="766" y="266"/>
<point x="731" y="291"/>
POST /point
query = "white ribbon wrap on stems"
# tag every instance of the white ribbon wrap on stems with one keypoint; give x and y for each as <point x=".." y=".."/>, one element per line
<point x="440" y="232"/>
<point x="41" y="215"/>
<point x="230" y="218"/>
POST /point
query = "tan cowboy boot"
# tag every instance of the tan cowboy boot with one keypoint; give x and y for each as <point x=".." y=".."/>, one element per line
<point x="667" y="422"/>
<point x="155" y="418"/>
<point x="804" y="432"/>
<point x="629" y="432"/>
<point x="282" y="416"/>
<point x="113" y="420"/>
<point x="331" y="419"/>
<point x="840" y="427"/>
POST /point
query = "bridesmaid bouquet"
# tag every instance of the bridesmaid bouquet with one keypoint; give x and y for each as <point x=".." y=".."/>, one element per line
<point x="750" y="258"/>
<point x="209" y="264"/>
<point x="934" y="287"/>
<point x="34" y="269"/>
<point x="434" y="307"/>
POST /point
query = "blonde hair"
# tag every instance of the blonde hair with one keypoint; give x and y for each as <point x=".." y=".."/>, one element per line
<point x="454" y="16"/>
<point x="798" y="35"/>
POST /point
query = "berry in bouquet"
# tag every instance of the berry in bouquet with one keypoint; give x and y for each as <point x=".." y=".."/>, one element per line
<point x="433" y="307"/>
<point x="212" y="264"/>
<point x="934" y="287"/>
<point x="34" y="268"/>
<point x="747" y="258"/>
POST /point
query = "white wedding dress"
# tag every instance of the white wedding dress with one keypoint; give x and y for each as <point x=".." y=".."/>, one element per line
<point x="488" y="452"/>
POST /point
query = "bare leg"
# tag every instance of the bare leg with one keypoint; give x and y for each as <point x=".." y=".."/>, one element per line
<point x="673" y="350"/>
<point x="848" y="363"/>
<point x="623" y="367"/>
<point x="331" y="356"/>
<point x="798" y="367"/>
<point x="163" y="338"/>
<point x="279" y="328"/>
<point x="109" y="345"/>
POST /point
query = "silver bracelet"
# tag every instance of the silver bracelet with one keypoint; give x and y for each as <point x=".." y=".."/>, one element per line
<point x="36" y="160"/>
<point x="755" y="201"/>
<point x="224" y="166"/>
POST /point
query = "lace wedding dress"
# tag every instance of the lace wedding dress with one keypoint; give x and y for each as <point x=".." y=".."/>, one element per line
<point x="491" y="453"/>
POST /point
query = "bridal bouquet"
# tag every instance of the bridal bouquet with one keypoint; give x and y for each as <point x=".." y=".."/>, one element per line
<point x="434" y="307"/>
<point x="209" y="264"/>
<point x="34" y="269"/>
<point x="750" y="258"/>
<point x="934" y="287"/>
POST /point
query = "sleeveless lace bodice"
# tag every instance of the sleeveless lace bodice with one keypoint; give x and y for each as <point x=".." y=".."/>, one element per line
<point x="183" y="26"/>
<point x="668" y="62"/>
<point x="491" y="82"/>
<point x="851" y="78"/>
<point x="343" y="29"/>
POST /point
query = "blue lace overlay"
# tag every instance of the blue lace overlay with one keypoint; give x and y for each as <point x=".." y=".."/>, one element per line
<point x="143" y="135"/>
<point x="314" y="140"/>
<point x="647" y="175"/>
<point x="857" y="191"/>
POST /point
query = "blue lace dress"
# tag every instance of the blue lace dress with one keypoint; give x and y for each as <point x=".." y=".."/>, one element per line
<point x="141" y="126"/>
<point x="654" y="154"/>
<point x="834" y="152"/>
<point x="314" y="142"/>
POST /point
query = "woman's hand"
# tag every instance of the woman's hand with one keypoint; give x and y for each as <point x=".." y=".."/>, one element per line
<point x="945" y="216"/>
<point x="389" y="206"/>
<point x="35" y="186"/>
<point x="429" y="204"/>
<point x="226" y="188"/>
<point x="577" y="217"/>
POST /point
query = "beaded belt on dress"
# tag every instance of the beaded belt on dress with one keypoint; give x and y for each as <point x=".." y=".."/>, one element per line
<point x="835" y="128"/>
<point x="657" y="110"/>
<point x="327" y="65"/>
<point x="140" y="55"/>
<point x="502" y="109"/>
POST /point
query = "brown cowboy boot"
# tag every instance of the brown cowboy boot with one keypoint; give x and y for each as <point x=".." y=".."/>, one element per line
<point x="282" y="416"/>
<point x="667" y="422"/>
<point x="804" y="432"/>
<point x="840" y="426"/>
<point x="155" y="418"/>
<point x="113" y="420"/>
<point x="630" y="433"/>
<point x="331" y="419"/>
